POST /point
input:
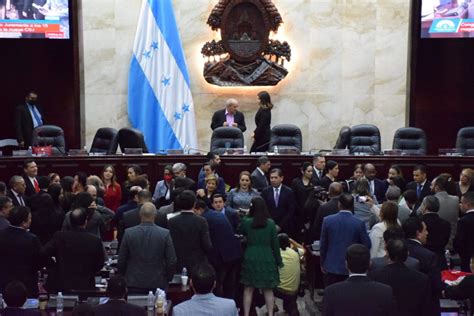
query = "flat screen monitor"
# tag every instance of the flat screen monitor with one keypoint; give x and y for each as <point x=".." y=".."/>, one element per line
<point x="447" y="18"/>
<point x="26" y="19"/>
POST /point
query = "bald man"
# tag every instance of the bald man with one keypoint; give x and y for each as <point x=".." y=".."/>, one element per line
<point x="229" y="117"/>
<point x="147" y="258"/>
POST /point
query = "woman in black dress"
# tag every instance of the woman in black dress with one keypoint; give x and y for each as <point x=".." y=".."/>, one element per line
<point x="331" y="172"/>
<point x="302" y="187"/>
<point x="263" y="118"/>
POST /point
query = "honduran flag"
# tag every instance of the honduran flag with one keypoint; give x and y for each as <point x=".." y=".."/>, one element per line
<point x="160" y="103"/>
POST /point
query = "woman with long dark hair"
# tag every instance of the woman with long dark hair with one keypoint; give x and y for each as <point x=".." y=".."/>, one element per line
<point x="263" y="119"/>
<point x="302" y="186"/>
<point x="330" y="174"/>
<point x="262" y="255"/>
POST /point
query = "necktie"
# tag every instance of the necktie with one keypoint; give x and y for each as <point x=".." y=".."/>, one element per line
<point x="37" y="188"/>
<point x="20" y="199"/>
<point x="372" y="189"/>
<point x="36" y="115"/>
<point x="418" y="190"/>
<point x="277" y="196"/>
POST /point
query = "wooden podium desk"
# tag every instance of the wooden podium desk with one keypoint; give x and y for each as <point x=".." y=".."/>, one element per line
<point x="231" y="165"/>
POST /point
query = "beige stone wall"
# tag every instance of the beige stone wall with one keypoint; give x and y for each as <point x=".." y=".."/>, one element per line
<point x="349" y="66"/>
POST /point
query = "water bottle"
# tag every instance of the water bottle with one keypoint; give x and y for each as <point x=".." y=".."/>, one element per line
<point x="85" y="149"/>
<point x="150" y="304"/>
<point x="60" y="302"/>
<point x="275" y="150"/>
<point x="29" y="152"/>
<point x="184" y="272"/>
<point x="447" y="255"/>
<point x="1" y="302"/>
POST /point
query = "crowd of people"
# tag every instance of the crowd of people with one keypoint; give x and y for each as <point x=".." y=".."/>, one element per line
<point x="383" y="242"/>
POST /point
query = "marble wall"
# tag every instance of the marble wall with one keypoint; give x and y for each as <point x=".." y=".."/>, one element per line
<point x="349" y="66"/>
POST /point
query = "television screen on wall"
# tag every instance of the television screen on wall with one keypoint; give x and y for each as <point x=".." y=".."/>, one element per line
<point x="34" y="19"/>
<point x="447" y="18"/>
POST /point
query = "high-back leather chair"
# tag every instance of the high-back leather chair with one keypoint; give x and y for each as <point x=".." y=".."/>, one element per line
<point x="344" y="138"/>
<point x="410" y="138"/>
<point x="365" y="138"/>
<point x="226" y="137"/>
<point x="131" y="138"/>
<point x="53" y="135"/>
<point x="286" y="136"/>
<point x="105" y="141"/>
<point x="465" y="140"/>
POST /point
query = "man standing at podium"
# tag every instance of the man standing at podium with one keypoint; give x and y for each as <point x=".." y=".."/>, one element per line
<point x="229" y="117"/>
<point x="28" y="116"/>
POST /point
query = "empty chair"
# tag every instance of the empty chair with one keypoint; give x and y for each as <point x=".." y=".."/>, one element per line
<point x="131" y="138"/>
<point x="365" y="138"/>
<point x="344" y="138"/>
<point x="105" y="141"/>
<point x="286" y="136"/>
<point x="410" y="138"/>
<point x="53" y="135"/>
<point x="226" y="137"/>
<point x="465" y="140"/>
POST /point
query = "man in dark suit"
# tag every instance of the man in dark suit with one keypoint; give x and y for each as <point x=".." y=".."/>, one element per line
<point x="147" y="257"/>
<point x="280" y="201"/>
<point x="28" y="116"/>
<point x="377" y="187"/>
<point x="328" y="208"/>
<point x="117" y="304"/>
<point x="339" y="231"/>
<point x="190" y="233"/>
<point x="17" y="191"/>
<point x="416" y="234"/>
<point x="15" y="296"/>
<point x="464" y="240"/>
<point x="30" y="173"/>
<point x="420" y="185"/>
<point x="181" y="180"/>
<point x="226" y="250"/>
<point x="229" y="117"/>
<point x="79" y="254"/>
<point x="258" y="176"/>
<point x="38" y="200"/>
<point x="410" y="288"/>
<point x="319" y="163"/>
<point x="438" y="229"/>
<point x="6" y="206"/>
<point x="358" y="295"/>
<point x="20" y="252"/>
<point x="218" y="204"/>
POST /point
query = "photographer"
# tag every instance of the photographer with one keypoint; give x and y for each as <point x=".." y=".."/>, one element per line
<point x="364" y="204"/>
<point x="328" y="208"/>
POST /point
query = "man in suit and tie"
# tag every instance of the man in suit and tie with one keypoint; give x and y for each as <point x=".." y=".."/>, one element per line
<point x="218" y="204"/>
<point x="416" y="234"/>
<point x="28" y="116"/>
<point x="17" y="191"/>
<point x="180" y="178"/>
<point x="190" y="233"/>
<point x="147" y="257"/>
<point x="464" y="240"/>
<point x="117" y="303"/>
<point x="258" y="176"/>
<point x="6" y="206"/>
<point x="79" y="254"/>
<point x="359" y="295"/>
<point x="226" y="250"/>
<point x="328" y="208"/>
<point x="229" y="117"/>
<point x="30" y="173"/>
<point x="20" y="251"/>
<point x="448" y="205"/>
<point x="438" y="229"/>
<point x="410" y="288"/>
<point x="319" y="163"/>
<point x="280" y="201"/>
<point x="377" y="187"/>
<point x="420" y="185"/>
<point x="339" y="231"/>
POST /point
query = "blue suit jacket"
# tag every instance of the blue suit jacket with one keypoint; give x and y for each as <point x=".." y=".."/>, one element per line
<point x="225" y="246"/>
<point x="339" y="231"/>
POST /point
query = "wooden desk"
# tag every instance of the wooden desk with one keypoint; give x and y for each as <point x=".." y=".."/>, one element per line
<point x="231" y="165"/>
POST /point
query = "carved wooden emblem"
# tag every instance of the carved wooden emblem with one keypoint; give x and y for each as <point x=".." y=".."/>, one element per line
<point x="245" y="56"/>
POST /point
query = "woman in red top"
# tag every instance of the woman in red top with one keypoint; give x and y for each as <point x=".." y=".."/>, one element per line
<point x="112" y="197"/>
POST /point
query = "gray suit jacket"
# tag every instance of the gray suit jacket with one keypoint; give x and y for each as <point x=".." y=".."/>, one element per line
<point x="449" y="211"/>
<point x="147" y="258"/>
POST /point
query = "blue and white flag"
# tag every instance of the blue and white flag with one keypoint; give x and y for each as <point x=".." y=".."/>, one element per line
<point x="160" y="103"/>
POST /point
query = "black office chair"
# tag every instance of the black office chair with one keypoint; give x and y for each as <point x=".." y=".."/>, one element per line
<point x="224" y="138"/>
<point x="365" y="138"/>
<point x="465" y="141"/>
<point x="344" y="138"/>
<point x="286" y="136"/>
<point x="53" y="135"/>
<point x="131" y="138"/>
<point x="410" y="138"/>
<point x="105" y="141"/>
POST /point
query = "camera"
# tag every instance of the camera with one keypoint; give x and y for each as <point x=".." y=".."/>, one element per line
<point x="320" y="193"/>
<point x="361" y="199"/>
